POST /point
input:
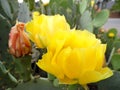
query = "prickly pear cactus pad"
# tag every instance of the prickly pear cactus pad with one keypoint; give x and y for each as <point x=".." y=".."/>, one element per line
<point x="4" y="35"/>
<point x="58" y="45"/>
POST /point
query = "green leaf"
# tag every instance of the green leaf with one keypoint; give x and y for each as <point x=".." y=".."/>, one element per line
<point x="39" y="84"/>
<point x="117" y="44"/>
<point x="89" y="27"/>
<point x="6" y="78"/>
<point x="24" y="13"/>
<point x="85" y="21"/>
<point x="31" y="4"/>
<point x="83" y="6"/>
<point x="63" y="3"/>
<point x="115" y="61"/>
<point x="14" y="5"/>
<point x="14" y="10"/>
<point x="23" y="67"/>
<point x="51" y="77"/>
<point x="73" y="87"/>
<point x="25" y="0"/>
<point x="112" y="83"/>
<point x="101" y="18"/>
<point x="110" y="55"/>
<point x="2" y="68"/>
<point x="12" y="78"/>
<point x="4" y="36"/>
<point x="6" y="8"/>
<point x="56" y="82"/>
<point x="53" y="1"/>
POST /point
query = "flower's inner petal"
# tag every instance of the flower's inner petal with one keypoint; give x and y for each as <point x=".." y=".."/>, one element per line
<point x="94" y="76"/>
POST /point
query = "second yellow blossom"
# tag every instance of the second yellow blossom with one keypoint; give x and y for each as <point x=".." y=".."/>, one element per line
<point x="42" y="27"/>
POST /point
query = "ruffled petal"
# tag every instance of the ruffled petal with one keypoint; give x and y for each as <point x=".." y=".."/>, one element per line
<point x="94" y="76"/>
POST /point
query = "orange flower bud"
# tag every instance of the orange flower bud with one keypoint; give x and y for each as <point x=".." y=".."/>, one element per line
<point x="95" y="7"/>
<point x="19" y="44"/>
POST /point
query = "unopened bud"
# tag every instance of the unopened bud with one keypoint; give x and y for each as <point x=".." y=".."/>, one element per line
<point x="19" y="44"/>
<point x="95" y="7"/>
<point x="102" y="30"/>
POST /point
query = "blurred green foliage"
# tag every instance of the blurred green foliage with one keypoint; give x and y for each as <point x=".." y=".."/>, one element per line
<point x="80" y="15"/>
<point x="116" y="6"/>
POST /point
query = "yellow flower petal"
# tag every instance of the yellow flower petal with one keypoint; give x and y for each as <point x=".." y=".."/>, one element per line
<point x="39" y="41"/>
<point x="94" y="76"/>
<point x="76" y="57"/>
<point x="74" y="63"/>
<point x="100" y="55"/>
<point x="44" y="64"/>
<point x="45" y="26"/>
<point x="67" y="80"/>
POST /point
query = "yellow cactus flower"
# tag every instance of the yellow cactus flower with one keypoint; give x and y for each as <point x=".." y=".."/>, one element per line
<point x="92" y="3"/>
<point x="42" y="27"/>
<point x="111" y="34"/>
<point x="35" y="14"/>
<point x="75" y="57"/>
